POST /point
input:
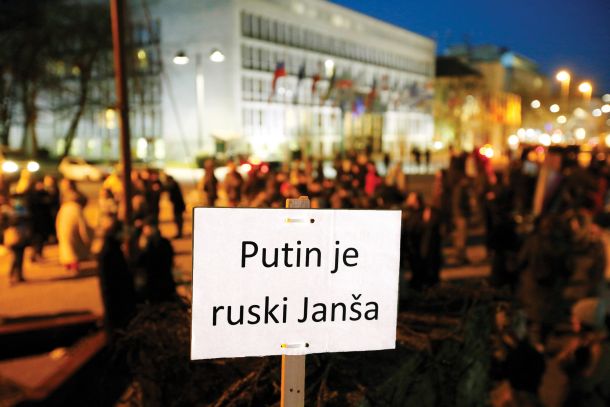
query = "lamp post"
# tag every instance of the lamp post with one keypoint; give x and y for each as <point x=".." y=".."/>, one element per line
<point x="586" y="89"/>
<point x="564" y="77"/>
<point x="181" y="58"/>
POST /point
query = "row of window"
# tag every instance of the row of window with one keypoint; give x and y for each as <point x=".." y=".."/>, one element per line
<point x="264" y="59"/>
<point x="266" y="29"/>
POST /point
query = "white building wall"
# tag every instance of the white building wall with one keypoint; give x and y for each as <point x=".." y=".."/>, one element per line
<point x="236" y="103"/>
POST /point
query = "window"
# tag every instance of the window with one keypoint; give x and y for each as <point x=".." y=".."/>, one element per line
<point x="266" y="60"/>
<point x="246" y="24"/>
<point x="264" y="29"/>
<point x="256" y="23"/>
<point x="246" y="57"/>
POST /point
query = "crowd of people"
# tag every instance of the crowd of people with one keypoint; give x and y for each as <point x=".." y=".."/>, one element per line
<point x="541" y="216"/>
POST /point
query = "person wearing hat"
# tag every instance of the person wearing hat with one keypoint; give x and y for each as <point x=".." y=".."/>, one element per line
<point x="586" y="359"/>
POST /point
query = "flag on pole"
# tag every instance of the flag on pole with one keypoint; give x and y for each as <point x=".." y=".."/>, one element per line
<point x="280" y="71"/>
<point x="370" y="98"/>
<point x="300" y="77"/>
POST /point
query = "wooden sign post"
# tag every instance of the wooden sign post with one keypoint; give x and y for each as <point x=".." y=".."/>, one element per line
<point x="293" y="366"/>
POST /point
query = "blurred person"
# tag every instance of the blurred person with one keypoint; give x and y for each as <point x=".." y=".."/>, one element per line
<point x="209" y="183"/>
<point x="586" y="358"/>
<point x="460" y="214"/>
<point x="428" y="158"/>
<point x="155" y="260"/>
<point x="233" y="183"/>
<point x="5" y="188"/>
<point x="152" y="193"/>
<point x="422" y="242"/>
<point x="41" y="218"/>
<point x="116" y="281"/>
<point x="108" y="207"/>
<point x="50" y="185"/>
<point x="545" y="265"/>
<point x="15" y="238"/>
<point x="178" y="205"/>
<point x="372" y="181"/>
<point x="73" y="234"/>
<point x="24" y="183"/>
<point x="416" y="153"/>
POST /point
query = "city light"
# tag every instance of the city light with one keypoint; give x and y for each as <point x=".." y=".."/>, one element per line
<point x="545" y="139"/>
<point x="606" y="98"/>
<point x="580" y="113"/>
<point x="586" y="89"/>
<point x="562" y="119"/>
<point x="181" y="58"/>
<point x="554" y="108"/>
<point x="563" y="76"/>
<point x="513" y="141"/>
<point x="607" y="140"/>
<point x="217" y="56"/>
<point x="605" y="108"/>
<point x="535" y="104"/>
<point x="580" y="133"/>
<point x="329" y="65"/>
<point x="10" y="167"/>
<point x="487" y="151"/>
<point x="557" y="138"/>
<point x="437" y="145"/>
<point x="32" y="166"/>
<point x="596" y="112"/>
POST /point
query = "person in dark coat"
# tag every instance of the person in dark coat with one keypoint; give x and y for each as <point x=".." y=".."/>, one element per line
<point x="152" y="191"/>
<point x="116" y="281"/>
<point x="178" y="205"/>
<point x="156" y="260"/>
<point x="41" y="218"/>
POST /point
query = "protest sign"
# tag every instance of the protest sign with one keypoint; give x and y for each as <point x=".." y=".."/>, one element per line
<point x="293" y="281"/>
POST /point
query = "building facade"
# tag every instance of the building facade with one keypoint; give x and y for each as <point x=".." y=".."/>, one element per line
<point x="304" y="75"/>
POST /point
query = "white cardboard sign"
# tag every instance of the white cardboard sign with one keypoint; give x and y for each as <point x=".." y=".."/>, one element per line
<point x="293" y="281"/>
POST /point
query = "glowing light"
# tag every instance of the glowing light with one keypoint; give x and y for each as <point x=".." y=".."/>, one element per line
<point x="217" y="56"/>
<point x="245" y="168"/>
<point x="580" y="133"/>
<point x="521" y="133"/>
<point x="487" y="151"/>
<point x="110" y="116"/>
<point x="180" y="58"/>
<point x="562" y="119"/>
<point x="545" y="139"/>
<point x="580" y="112"/>
<point x="607" y="140"/>
<point x="513" y="141"/>
<point x="10" y="167"/>
<point x="437" y="145"/>
<point x="606" y="98"/>
<point x="596" y="112"/>
<point x="554" y="108"/>
<point x="605" y="108"/>
<point x="562" y="76"/>
<point x="141" y="54"/>
<point x="329" y="64"/>
<point x="535" y="104"/>
<point x="557" y="138"/>
<point x="530" y="133"/>
<point x="32" y="166"/>
<point x="585" y="87"/>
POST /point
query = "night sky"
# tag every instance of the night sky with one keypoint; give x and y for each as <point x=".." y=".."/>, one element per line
<point x="574" y="34"/>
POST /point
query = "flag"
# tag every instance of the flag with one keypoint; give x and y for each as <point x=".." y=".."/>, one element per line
<point x="300" y="77"/>
<point x="370" y="98"/>
<point x="280" y="70"/>
<point x="314" y="81"/>
<point x="358" y="107"/>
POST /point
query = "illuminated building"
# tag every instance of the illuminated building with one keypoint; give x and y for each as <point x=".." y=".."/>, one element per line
<point x="343" y="80"/>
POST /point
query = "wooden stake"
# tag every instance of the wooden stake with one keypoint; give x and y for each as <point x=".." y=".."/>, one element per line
<point x="293" y="367"/>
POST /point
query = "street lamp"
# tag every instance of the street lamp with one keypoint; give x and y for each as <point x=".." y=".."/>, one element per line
<point x="564" y="77"/>
<point x="586" y="89"/>
<point x="181" y="58"/>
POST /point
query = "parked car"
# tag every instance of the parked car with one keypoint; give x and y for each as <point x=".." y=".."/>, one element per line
<point x="12" y="162"/>
<point x="79" y="169"/>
